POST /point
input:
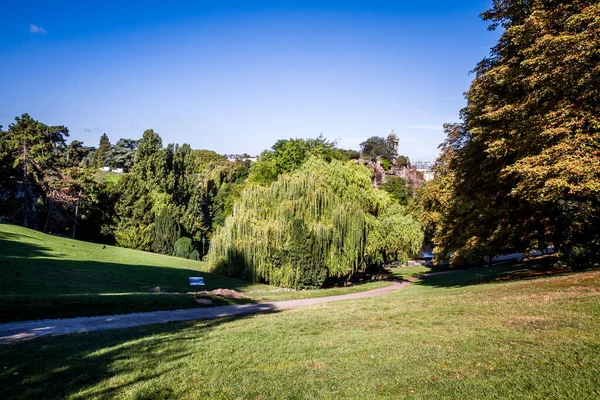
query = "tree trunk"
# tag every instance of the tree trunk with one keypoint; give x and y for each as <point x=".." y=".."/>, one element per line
<point x="25" y="186"/>
<point x="49" y="214"/>
<point x="76" y="213"/>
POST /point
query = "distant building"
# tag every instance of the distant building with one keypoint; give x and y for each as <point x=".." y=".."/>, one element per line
<point x="426" y="168"/>
<point x="240" y="157"/>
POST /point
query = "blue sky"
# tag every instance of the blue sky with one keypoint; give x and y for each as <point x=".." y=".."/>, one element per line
<point x="235" y="76"/>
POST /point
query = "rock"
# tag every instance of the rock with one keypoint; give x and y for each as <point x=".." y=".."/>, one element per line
<point x="204" y="301"/>
<point x="154" y="290"/>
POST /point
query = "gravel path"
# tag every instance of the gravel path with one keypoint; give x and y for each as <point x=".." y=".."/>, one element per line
<point x="14" y="331"/>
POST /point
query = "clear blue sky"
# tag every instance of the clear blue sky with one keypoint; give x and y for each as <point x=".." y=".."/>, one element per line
<point x="235" y="76"/>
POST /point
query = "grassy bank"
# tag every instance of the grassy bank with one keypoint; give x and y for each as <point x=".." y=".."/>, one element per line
<point x="447" y="336"/>
<point x="44" y="276"/>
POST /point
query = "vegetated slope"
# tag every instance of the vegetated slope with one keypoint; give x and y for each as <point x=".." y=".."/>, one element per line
<point x="44" y="276"/>
<point x="445" y="337"/>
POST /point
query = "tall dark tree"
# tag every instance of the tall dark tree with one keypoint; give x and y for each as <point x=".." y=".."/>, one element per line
<point x="524" y="167"/>
<point x="35" y="148"/>
<point x="103" y="148"/>
<point x="375" y="147"/>
<point x="121" y="155"/>
<point x="166" y="231"/>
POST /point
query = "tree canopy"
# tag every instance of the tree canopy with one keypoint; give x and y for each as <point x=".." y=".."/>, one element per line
<point x="523" y="168"/>
<point x="322" y="220"/>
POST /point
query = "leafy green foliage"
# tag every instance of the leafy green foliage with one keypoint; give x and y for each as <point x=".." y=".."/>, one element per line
<point x="386" y="164"/>
<point x="183" y="248"/>
<point x="397" y="188"/>
<point x="375" y="147"/>
<point x="530" y="131"/>
<point x="103" y="147"/>
<point x="287" y="155"/>
<point x="195" y="255"/>
<point x="166" y="232"/>
<point x="311" y="224"/>
<point x="121" y="155"/>
<point x="34" y="149"/>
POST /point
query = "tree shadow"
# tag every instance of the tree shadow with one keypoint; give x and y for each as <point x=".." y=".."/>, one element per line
<point x="524" y="270"/>
<point x="94" y="365"/>
<point x="38" y="282"/>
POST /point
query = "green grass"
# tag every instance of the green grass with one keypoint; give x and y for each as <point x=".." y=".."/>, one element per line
<point x="44" y="276"/>
<point x="446" y="336"/>
<point x="108" y="177"/>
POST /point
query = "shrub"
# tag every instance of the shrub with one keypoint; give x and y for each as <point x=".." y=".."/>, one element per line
<point x="194" y="255"/>
<point x="183" y="247"/>
<point x="386" y="164"/>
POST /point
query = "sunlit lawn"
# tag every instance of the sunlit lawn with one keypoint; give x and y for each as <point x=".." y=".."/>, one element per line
<point x="443" y="337"/>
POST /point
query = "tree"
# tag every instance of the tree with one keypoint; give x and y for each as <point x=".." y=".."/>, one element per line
<point x="397" y="188"/>
<point x="375" y="147"/>
<point x="75" y="154"/>
<point x="35" y="149"/>
<point x="103" y="148"/>
<point x="287" y="155"/>
<point x="523" y="168"/>
<point x="166" y="232"/>
<point x="121" y="155"/>
<point x="324" y="219"/>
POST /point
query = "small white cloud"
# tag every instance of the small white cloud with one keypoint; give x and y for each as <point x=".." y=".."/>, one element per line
<point x="415" y="110"/>
<point x="429" y="127"/>
<point x="37" y="29"/>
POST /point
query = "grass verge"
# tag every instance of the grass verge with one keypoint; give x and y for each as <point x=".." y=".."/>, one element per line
<point x="446" y="336"/>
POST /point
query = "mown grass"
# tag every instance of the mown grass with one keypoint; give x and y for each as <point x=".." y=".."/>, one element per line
<point x="446" y="336"/>
<point x="44" y="276"/>
<point x="108" y="177"/>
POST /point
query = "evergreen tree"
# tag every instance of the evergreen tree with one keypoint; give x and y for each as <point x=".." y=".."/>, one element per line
<point x="35" y="150"/>
<point x="103" y="148"/>
<point x="166" y="232"/>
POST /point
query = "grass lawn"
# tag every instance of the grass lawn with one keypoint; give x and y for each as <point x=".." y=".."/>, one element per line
<point x="44" y="276"/>
<point x="446" y="336"/>
<point x="108" y="177"/>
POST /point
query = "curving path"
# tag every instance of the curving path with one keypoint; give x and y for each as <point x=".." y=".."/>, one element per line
<point x="14" y="331"/>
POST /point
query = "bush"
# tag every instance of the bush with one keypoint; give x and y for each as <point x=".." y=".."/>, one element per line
<point x="386" y="164"/>
<point x="194" y="255"/>
<point x="183" y="247"/>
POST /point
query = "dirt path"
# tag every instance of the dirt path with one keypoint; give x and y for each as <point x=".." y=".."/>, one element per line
<point x="14" y="331"/>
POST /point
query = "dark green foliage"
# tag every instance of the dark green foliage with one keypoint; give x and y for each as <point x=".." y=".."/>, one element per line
<point x="121" y="155"/>
<point x="35" y="151"/>
<point x="103" y="148"/>
<point x="76" y="154"/>
<point x="303" y="252"/>
<point x="345" y="155"/>
<point x="184" y="248"/>
<point x="398" y="188"/>
<point x="165" y="233"/>
<point x="376" y="147"/>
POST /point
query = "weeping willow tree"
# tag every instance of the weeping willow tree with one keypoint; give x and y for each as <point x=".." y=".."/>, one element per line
<point x="325" y="219"/>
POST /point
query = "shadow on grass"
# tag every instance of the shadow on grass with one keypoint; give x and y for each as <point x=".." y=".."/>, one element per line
<point x="35" y="282"/>
<point x="84" y="365"/>
<point x="525" y="270"/>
